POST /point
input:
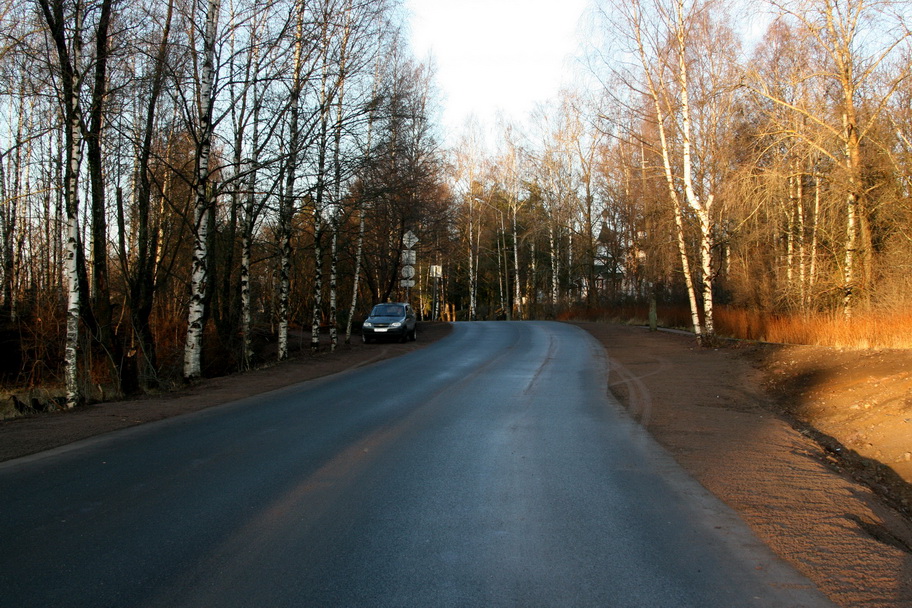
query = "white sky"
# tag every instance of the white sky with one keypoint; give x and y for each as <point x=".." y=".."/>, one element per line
<point x="492" y="55"/>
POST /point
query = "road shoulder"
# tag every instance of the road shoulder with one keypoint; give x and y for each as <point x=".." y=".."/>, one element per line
<point x="708" y="408"/>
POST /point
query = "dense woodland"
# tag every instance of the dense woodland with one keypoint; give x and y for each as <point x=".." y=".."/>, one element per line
<point x="190" y="188"/>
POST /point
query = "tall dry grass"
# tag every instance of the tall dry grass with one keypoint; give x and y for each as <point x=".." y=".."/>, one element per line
<point x="862" y="331"/>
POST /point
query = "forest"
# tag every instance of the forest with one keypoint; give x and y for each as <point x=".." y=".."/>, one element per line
<point x="196" y="187"/>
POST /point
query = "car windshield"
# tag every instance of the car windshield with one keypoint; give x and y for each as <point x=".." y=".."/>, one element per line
<point x="388" y="310"/>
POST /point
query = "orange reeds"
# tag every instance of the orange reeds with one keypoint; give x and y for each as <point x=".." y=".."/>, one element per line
<point x="864" y="330"/>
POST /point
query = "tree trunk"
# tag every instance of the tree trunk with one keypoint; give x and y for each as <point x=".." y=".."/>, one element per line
<point x="356" y="280"/>
<point x="142" y="280"/>
<point x="203" y="208"/>
<point x="287" y="198"/>
<point x="99" y="295"/>
<point x="320" y="197"/>
<point x="473" y="288"/>
<point x="555" y="265"/>
<point x="69" y="87"/>
<point x="704" y="207"/>
<point x="517" y="295"/>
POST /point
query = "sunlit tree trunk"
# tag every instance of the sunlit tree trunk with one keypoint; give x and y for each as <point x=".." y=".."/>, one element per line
<point x="814" y="227"/>
<point x="680" y="235"/>
<point x="702" y="207"/>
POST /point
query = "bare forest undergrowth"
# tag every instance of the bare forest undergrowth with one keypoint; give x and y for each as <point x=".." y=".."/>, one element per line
<point x="810" y="445"/>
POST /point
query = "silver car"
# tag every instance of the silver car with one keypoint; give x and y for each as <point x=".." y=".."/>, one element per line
<point x="394" y="320"/>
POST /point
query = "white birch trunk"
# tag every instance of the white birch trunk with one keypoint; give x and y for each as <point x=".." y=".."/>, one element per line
<point x="246" y="246"/>
<point x="790" y="235"/>
<point x="707" y="268"/>
<point x="284" y="290"/>
<point x="849" y="260"/>
<point x="287" y="200"/>
<point x="802" y="236"/>
<point x="357" y="278"/>
<point x="703" y="209"/>
<point x="555" y="264"/>
<point x="199" y="277"/>
<point x="318" y="281"/>
<point x="249" y="221"/>
<point x="359" y="254"/>
<point x="71" y="280"/>
<point x="319" y="199"/>
<point x="517" y="296"/>
<point x="812" y="280"/>
<point x="337" y="179"/>
<point x="669" y="179"/>
<point x="471" y="266"/>
<point x="333" y="280"/>
<point x="74" y="394"/>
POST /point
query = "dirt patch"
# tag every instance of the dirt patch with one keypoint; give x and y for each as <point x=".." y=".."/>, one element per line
<point x="781" y="434"/>
<point x="858" y="405"/>
<point x="740" y="420"/>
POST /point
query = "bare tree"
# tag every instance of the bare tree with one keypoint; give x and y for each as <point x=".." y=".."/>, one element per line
<point x="67" y="41"/>
<point x="203" y="207"/>
<point x="851" y="66"/>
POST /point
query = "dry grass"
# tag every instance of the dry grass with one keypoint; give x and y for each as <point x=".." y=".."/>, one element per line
<point x="862" y="331"/>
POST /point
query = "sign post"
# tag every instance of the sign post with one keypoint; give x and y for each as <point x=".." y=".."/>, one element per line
<point x="409" y="259"/>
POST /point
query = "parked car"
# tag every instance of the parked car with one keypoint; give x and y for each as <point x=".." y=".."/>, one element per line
<point x="394" y="320"/>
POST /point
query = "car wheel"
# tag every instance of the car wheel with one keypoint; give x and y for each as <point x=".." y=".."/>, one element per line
<point x="365" y="339"/>
<point x="414" y="335"/>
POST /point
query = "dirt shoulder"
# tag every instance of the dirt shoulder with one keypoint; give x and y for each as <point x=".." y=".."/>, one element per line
<point x="735" y="418"/>
<point x="781" y="434"/>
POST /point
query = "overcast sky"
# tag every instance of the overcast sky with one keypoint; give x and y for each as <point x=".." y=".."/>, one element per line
<point x="492" y="55"/>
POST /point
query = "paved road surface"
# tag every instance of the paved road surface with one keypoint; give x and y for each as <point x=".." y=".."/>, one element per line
<point x="489" y="469"/>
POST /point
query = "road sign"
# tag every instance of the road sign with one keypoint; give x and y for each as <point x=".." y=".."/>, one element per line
<point x="409" y="257"/>
<point x="406" y="283"/>
<point x="408" y="272"/>
<point x="436" y="271"/>
<point x="409" y="239"/>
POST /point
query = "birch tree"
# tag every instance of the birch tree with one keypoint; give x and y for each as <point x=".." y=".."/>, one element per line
<point x="290" y="169"/>
<point x="682" y="49"/>
<point x="141" y="274"/>
<point x="203" y="204"/>
<point x="853" y="44"/>
<point x="65" y="26"/>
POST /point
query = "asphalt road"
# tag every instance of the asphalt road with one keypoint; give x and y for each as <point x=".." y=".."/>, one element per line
<point x="491" y="468"/>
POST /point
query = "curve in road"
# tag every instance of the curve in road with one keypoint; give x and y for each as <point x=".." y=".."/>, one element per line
<point x="489" y="469"/>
